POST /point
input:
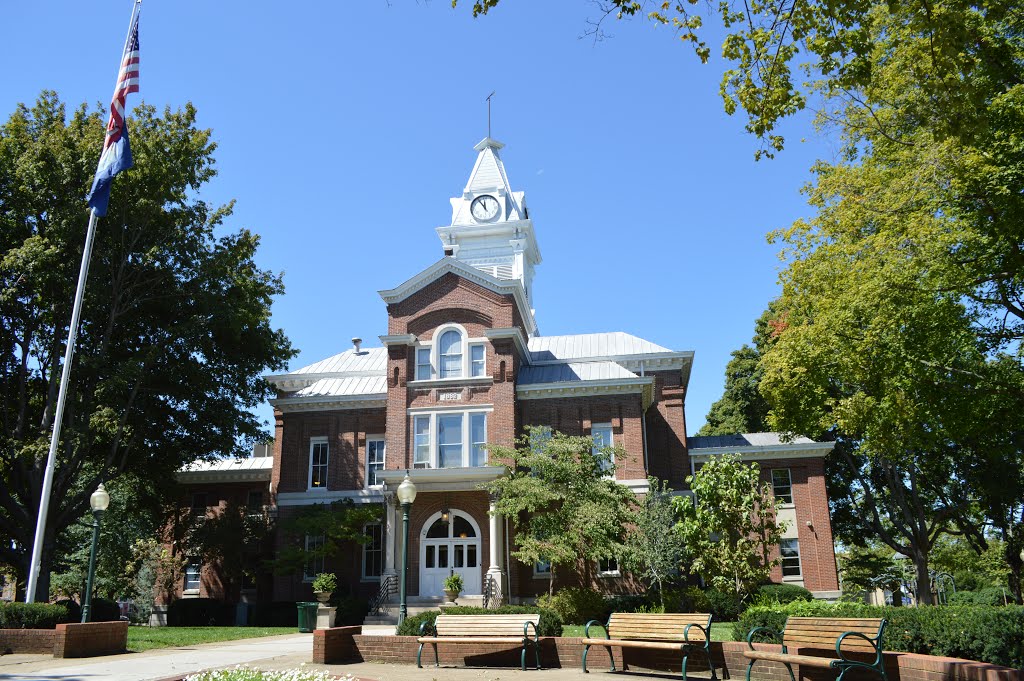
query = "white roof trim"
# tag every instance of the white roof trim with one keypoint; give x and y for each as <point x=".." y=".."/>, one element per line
<point x="398" y="339"/>
<point x="327" y="402"/>
<point x="512" y="287"/>
<point x="427" y="479"/>
<point x="517" y="337"/>
<point x="800" y="450"/>
<point x="644" y="385"/>
<point x="372" y="495"/>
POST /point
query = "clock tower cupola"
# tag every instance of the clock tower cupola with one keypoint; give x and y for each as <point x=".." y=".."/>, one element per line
<point x="491" y="228"/>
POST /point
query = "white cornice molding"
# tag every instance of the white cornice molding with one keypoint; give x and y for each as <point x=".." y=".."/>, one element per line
<point x="522" y="346"/>
<point x="452" y="383"/>
<point x="795" y="450"/>
<point x="293" y="382"/>
<point x="398" y="339"/>
<point x="442" y="479"/>
<point x="511" y="287"/>
<point x="192" y="477"/>
<point x="611" y="386"/>
<point x="329" y="402"/>
<point x="373" y="495"/>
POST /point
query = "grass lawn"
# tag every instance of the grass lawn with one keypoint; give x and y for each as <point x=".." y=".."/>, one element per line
<point x="720" y="631"/>
<point x="147" y="638"/>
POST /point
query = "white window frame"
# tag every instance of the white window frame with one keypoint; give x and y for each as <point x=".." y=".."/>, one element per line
<point x="382" y="450"/>
<point x="198" y="581"/>
<point x="313" y="443"/>
<point x="610" y="443"/>
<point x="432" y="444"/>
<point x="799" y="564"/>
<point x="316" y="561"/>
<point x="380" y="549"/>
<point x="440" y="364"/>
<point x="789" y="484"/>
<point x="603" y="571"/>
<point x="433" y="347"/>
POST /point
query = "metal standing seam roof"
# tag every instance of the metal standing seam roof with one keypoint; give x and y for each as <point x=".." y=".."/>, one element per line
<point x="349" y="385"/>
<point x="744" y="440"/>
<point x="572" y="372"/>
<point x="367" y="359"/>
<point x="609" y="344"/>
<point x="254" y="463"/>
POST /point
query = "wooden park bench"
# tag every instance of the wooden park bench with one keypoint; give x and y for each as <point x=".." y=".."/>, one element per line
<point x="675" y="631"/>
<point x="846" y="635"/>
<point x="481" y="629"/>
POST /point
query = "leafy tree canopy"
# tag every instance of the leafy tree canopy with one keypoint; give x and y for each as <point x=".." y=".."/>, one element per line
<point x="175" y="334"/>
<point x="339" y="523"/>
<point x="654" y="549"/>
<point x="562" y="499"/>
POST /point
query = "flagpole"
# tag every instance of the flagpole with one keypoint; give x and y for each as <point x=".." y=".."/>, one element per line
<point x="65" y="379"/>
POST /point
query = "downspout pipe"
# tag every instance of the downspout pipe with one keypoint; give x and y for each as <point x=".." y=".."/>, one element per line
<point x="643" y="424"/>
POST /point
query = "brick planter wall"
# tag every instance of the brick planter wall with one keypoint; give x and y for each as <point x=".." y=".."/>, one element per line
<point x="90" y="639"/>
<point x="26" y="641"/>
<point x="348" y="645"/>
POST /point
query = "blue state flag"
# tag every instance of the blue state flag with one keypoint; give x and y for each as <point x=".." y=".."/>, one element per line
<point x="115" y="158"/>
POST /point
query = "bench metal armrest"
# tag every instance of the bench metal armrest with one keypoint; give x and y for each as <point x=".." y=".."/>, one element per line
<point x="706" y="632"/>
<point x="876" y="643"/>
<point x="526" y="631"/>
<point x="586" y="629"/>
<point x="750" y="636"/>
<point x="428" y="627"/>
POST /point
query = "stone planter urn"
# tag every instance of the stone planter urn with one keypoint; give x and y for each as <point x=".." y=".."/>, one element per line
<point x="451" y="595"/>
<point x="323" y="596"/>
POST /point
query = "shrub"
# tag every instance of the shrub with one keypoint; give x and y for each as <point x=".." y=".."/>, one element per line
<point x="274" y="614"/>
<point x="784" y="593"/>
<point x="104" y="610"/>
<point x="325" y="581"/>
<point x="991" y="595"/>
<point x="351" y="610"/>
<point x="74" y="609"/>
<point x="633" y="602"/>
<point x="723" y="605"/>
<point x="576" y="605"/>
<point x="961" y="598"/>
<point x="202" y="612"/>
<point x="550" y="622"/>
<point x="981" y="633"/>
<point x="32" y="615"/>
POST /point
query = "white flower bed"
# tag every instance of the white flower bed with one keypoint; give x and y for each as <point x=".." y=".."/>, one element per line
<point x="246" y="673"/>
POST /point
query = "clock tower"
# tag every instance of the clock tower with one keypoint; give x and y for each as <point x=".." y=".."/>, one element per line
<point x="491" y="228"/>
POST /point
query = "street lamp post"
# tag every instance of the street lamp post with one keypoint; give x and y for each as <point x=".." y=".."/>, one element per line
<point x="406" y="495"/>
<point x="99" y="502"/>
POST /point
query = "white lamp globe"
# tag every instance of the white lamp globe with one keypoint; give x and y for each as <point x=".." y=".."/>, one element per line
<point x="407" y="491"/>
<point x="99" y="499"/>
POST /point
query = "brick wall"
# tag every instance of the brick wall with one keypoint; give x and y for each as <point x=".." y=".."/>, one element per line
<point x="666" y="430"/>
<point x="727" y="656"/>
<point x="90" y="639"/>
<point x="335" y="645"/>
<point x="39" y="641"/>
<point x="475" y="504"/>
<point x="346" y="432"/>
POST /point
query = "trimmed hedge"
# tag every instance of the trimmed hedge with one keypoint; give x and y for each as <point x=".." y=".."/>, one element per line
<point x="274" y="614"/>
<point x="550" y="622"/>
<point x="32" y="615"/>
<point x="980" y="633"/>
<point x="784" y="593"/>
<point x="74" y="609"/>
<point x="991" y="595"/>
<point x="202" y="612"/>
<point x="104" y="610"/>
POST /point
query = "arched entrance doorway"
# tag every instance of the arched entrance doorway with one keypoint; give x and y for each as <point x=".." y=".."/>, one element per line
<point x="447" y="547"/>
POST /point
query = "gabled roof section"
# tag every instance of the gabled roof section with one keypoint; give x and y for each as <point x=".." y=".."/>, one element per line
<point x="754" y="446"/>
<point x="573" y="372"/>
<point x="488" y="176"/>
<point x="507" y="287"/>
<point x="591" y="346"/>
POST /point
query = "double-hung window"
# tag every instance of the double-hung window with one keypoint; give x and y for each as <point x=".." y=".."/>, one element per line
<point x="193" y="575"/>
<point x="423" y="369"/>
<point x="477" y="360"/>
<point x="319" y="452"/>
<point x="374" y="459"/>
<point x="373" y="551"/>
<point x="608" y="567"/>
<point x="254" y="501"/>
<point x="790" y="550"/>
<point x="782" y="484"/>
<point x="449" y="439"/>
<point x="602" y="435"/>
<point x="314" y="564"/>
<point x="449" y="354"/>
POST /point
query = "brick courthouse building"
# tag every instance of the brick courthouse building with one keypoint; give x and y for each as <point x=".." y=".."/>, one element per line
<point x="462" y="364"/>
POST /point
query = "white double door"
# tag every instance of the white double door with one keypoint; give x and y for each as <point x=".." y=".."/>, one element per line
<point x="447" y="548"/>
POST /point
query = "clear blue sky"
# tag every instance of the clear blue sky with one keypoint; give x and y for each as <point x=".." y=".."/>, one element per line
<point x="344" y="127"/>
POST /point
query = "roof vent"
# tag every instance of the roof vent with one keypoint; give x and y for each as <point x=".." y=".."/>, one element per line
<point x="356" y="342"/>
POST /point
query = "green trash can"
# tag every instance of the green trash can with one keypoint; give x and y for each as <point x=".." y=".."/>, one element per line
<point x="307" y="616"/>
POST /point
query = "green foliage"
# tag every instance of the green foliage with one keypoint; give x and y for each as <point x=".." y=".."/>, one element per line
<point x="783" y="593"/>
<point x="73" y="608"/>
<point x="351" y="610"/>
<point x="730" y="526"/>
<point x="176" y="319"/>
<point x="550" y="622"/>
<point x="227" y="538"/>
<point x="325" y="581"/>
<point x="991" y="596"/>
<point x="725" y="606"/>
<point x="341" y="523"/>
<point x="200" y="612"/>
<point x="970" y="569"/>
<point x="654" y="549"/>
<point x="453" y="582"/>
<point x="563" y="505"/>
<point x="984" y="634"/>
<point x="104" y="610"/>
<point x="576" y="605"/>
<point x="32" y="615"/>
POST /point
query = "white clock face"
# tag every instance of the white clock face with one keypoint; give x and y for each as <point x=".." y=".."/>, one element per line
<point x="484" y="207"/>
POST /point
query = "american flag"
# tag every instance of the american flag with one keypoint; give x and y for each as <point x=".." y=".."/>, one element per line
<point x="117" y="153"/>
<point x="127" y="83"/>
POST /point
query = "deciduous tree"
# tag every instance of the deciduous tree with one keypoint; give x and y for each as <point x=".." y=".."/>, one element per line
<point x="654" y="548"/>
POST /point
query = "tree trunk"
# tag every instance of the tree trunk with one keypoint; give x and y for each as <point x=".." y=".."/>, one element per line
<point x="923" y="582"/>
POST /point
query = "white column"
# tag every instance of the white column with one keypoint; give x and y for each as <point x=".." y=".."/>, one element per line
<point x="496" y="572"/>
<point x="390" y="532"/>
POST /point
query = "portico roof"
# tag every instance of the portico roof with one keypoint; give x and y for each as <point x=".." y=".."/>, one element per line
<point x="443" y="479"/>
